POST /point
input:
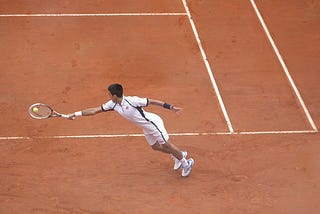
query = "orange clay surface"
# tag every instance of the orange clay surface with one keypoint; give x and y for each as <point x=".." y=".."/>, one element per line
<point x="68" y="62"/>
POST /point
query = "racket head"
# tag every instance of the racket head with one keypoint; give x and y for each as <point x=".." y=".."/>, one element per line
<point x="40" y="111"/>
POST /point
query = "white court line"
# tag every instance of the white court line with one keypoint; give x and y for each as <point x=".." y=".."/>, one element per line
<point x="277" y="132"/>
<point x="209" y="70"/>
<point x="94" y="15"/>
<point x="305" y="109"/>
<point x="171" y="134"/>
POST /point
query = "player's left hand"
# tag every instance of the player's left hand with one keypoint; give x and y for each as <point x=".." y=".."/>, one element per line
<point x="177" y="110"/>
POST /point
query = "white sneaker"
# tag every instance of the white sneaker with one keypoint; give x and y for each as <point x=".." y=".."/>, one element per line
<point x="177" y="163"/>
<point x="187" y="170"/>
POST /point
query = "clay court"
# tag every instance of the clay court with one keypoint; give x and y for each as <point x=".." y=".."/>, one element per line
<point x="246" y="74"/>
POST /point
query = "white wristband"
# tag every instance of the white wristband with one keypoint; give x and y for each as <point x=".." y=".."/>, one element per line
<point x="78" y="113"/>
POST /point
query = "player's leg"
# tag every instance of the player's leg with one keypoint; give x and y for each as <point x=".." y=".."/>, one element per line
<point x="177" y="155"/>
<point x="169" y="148"/>
<point x="172" y="149"/>
<point x="180" y="158"/>
<point x="160" y="148"/>
<point x="162" y="144"/>
<point x="159" y="140"/>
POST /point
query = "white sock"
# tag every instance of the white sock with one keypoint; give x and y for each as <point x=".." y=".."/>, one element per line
<point x="184" y="162"/>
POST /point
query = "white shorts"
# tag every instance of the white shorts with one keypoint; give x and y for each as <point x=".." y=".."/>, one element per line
<point x="156" y="132"/>
<point x="154" y="138"/>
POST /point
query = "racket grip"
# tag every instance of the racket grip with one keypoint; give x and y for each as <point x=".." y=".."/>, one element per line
<point x="65" y="116"/>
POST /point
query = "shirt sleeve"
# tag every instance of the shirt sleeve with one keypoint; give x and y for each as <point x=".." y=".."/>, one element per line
<point x="108" y="106"/>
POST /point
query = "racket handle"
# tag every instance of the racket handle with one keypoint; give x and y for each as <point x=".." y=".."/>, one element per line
<point x="65" y="116"/>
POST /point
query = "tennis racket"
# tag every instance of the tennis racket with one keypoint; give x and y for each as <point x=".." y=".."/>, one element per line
<point x="43" y="111"/>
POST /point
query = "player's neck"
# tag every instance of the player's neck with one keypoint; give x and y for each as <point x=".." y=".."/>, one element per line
<point x="119" y="100"/>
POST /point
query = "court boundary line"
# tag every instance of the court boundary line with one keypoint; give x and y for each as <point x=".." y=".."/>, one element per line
<point x="170" y="134"/>
<point x="185" y="134"/>
<point x="90" y="14"/>
<point x="208" y="67"/>
<point x="284" y="67"/>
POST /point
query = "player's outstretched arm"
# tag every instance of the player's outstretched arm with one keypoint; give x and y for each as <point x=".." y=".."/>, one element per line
<point x="165" y="105"/>
<point x="86" y="112"/>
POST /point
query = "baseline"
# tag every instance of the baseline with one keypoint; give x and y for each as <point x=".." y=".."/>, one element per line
<point x="170" y="134"/>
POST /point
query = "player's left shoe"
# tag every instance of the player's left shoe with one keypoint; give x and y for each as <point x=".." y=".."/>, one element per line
<point x="177" y="163"/>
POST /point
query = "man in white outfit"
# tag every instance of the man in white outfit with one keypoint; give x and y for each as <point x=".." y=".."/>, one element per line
<point x="131" y="108"/>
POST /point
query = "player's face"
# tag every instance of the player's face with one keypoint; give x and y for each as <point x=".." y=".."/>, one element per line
<point x="114" y="98"/>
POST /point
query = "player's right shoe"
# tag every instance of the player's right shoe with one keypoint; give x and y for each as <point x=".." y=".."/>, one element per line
<point x="187" y="170"/>
<point x="177" y="163"/>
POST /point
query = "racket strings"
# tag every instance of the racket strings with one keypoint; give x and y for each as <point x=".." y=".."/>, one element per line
<point x="41" y="111"/>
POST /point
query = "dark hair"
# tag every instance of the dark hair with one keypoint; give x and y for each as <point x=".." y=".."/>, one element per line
<point x="116" y="89"/>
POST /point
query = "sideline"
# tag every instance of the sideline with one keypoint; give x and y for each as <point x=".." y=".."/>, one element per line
<point x="294" y="87"/>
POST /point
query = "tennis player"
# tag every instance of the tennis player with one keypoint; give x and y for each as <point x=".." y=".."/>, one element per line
<point x="131" y="108"/>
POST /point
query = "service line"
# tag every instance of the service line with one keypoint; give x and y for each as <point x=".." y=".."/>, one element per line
<point x="93" y="14"/>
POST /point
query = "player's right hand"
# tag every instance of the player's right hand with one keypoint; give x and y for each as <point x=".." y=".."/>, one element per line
<point x="71" y="116"/>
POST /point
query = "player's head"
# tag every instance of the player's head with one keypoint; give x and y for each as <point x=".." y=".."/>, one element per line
<point x="116" y="89"/>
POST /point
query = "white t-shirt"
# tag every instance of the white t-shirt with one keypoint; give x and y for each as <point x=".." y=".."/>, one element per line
<point x="131" y="108"/>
